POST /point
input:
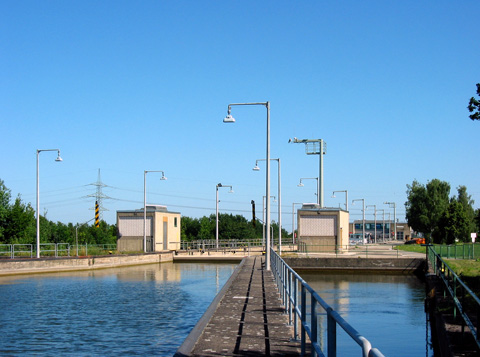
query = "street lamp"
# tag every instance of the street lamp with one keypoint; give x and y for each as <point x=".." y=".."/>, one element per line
<point x="315" y="147"/>
<point x="216" y="210"/>
<point x="346" y="198"/>
<point x="375" y="222"/>
<point x="256" y="168"/>
<point x="263" y="215"/>
<point x="394" y="216"/>
<point x="229" y="119"/>
<point x="383" y="224"/>
<point x="363" y="210"/>
<point x="58" y="159"/>
<point x="145" y="205"/>
<point x="308" y="178"/>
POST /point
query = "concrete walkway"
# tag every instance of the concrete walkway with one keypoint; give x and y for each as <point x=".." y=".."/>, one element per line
<point x="248" y="319"/>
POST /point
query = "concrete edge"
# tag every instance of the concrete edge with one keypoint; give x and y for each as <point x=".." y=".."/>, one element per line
<point x="188" y="344"/>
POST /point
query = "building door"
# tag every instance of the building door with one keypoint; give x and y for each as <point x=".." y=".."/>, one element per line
<point x="165" y="233"/>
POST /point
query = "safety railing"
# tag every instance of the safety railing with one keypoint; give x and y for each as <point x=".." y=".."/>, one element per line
<point x="458" y="251"/>
<point x="363" y="250"/>
<point x="465" y="301"/>
<point x="294" y="292"/>
<point x="16" y="251"/>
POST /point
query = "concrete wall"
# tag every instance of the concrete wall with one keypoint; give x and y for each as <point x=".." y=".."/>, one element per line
<point x="404" y="265"/>
<point x="17" y="266"/>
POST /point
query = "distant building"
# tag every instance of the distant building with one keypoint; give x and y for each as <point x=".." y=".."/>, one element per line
<point x="162" y="229"/>
<point x="383" y="229"/>
<point x="322" y="229"/>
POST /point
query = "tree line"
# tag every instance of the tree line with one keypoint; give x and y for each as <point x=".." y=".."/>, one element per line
<point x="229" y="227"/>
<point x="442" y="219"/>
<point x="18" y="225"/>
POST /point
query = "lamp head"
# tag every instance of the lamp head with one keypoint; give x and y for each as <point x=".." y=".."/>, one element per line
<point x="163" y="178"/>
<point x="256" y="168"/>
<point x="333" y="196"/>
<point x="229" y="119"/>
<point x="231" y="190"/>
<point x="58" y="159"/>
<point x="300" y="185"/>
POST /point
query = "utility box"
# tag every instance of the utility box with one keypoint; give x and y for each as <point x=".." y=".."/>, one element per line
<point x="322" y="229"/>
<point x="162" y="230"/>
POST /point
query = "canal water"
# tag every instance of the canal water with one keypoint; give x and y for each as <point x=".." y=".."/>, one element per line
<point x="150" y="309"/>
<point x="144" y="310"/>
<point x="388" y="310"/>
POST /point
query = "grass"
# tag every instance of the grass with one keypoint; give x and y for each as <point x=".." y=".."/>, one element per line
<point x="411" y="248"/>
<point x="465" y="268"/>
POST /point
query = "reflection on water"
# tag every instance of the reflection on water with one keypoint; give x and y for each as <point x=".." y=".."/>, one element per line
<point x="145" y="310"/>
<point x="387" y="309"/>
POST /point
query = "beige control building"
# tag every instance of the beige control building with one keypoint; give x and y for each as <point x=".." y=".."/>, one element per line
<point x="162" y="230"/>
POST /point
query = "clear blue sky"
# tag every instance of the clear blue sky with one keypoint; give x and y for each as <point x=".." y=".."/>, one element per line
<point x="128" y="86"/>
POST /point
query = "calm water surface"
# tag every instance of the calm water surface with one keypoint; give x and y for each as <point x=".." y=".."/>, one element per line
<point x="143" y="310"/>
<point x="387" y="309"/>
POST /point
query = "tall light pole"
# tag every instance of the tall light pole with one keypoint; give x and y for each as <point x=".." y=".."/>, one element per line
<point x="263" y="215"/>
<point x="229" y="119"/>
<point x="58" y="159"/>
<point x="216" y="209"/>
<point x="145" y="205"/>
<point x="256" y="168"/>
<point x="293" y="220"/>
<point x="394" y="216"/>
<point x="383" y="224"/>
<point x="363" y="210"/>
<point x="375" y="222"/>
<point x="315" y="147"/>
<point x="346" y="198"/>
<point x="309" y="178"/>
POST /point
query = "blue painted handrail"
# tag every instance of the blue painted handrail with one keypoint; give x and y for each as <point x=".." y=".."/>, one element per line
<point x="288" y="282"/>
<point x="452" y="284"/>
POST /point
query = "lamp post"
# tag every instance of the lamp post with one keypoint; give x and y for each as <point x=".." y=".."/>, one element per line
<point x="229" y="119"/>
<point x="375" y="222"/>
<point x="394" y="216"/>
<point x="58" y="159"/>
<point x="346" y="198"/>
<point x="216" y="210"/>
<point x="256" y="168"/>
<point x="309" y="178"/>
<point x="363" y="210"/>
<point x="293" y="220"/>
<point x="145" y="205"/>
<point x="315" y="147"/>
<point x="383" y="224"/>
<point x="263" y="215"/>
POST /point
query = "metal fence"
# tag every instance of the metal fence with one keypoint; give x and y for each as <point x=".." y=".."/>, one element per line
<point x="465" y="302"/>
<point x="298" y="297"/>
<point x="12" y="251"/>
<point x="458" y="251"/>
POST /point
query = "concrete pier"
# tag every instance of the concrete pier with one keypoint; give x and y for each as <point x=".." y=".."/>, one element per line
<point x="245" y="319"/>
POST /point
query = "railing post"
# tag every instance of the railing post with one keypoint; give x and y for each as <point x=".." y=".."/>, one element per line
<point x="295" y="316"/>
<point x="331" y="334"/>
<point x="303" y="319"/>
<point x="313" y="324"/>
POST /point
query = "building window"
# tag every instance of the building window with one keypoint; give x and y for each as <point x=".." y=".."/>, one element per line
<point x="175" y="222"/>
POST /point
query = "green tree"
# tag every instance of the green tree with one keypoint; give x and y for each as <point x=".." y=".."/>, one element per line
<point x="20" y="225"/>
<point x="474" y="106"/>
<point x="453" y="224"/>
<point x="425" y="206"/>
<point x="467" y="203"/>
<point x="5" y="195"/>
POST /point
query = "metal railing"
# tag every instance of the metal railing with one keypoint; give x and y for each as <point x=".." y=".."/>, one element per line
<point x="12" y="251"/>
<point x="458" y="251"/>
<point x="465" y="301"/>
<point x="291" y="286"/>
<point x="366" y="250"/>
